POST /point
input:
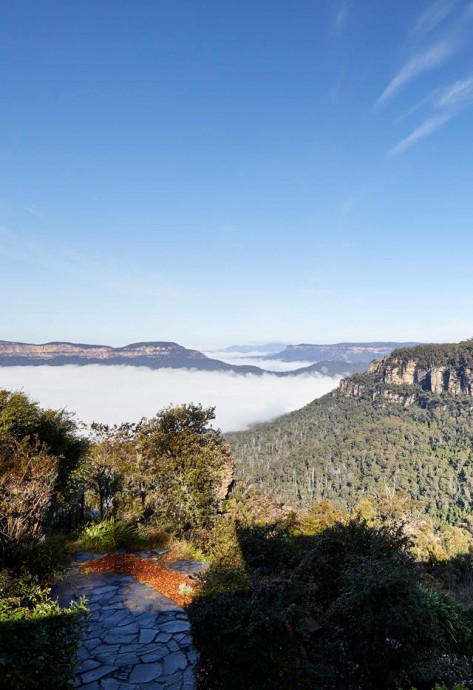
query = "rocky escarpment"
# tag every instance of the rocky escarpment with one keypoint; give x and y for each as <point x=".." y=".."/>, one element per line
<point x="367" y="388"/>
<point x="155" y="355"/>
<point x="435" y="369"/>
<point x="53" y="350"/>
<point x="340" y="352"/>
<point x="449" y="378"/>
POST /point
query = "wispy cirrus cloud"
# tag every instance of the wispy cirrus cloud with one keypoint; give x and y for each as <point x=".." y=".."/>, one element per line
<point x="35" y="211"/>
<point x="422" y="62"/>
<point x="458" y="94"/>
<point x="448" y="102"/>
<point x="341" y="16"/>
<point x="433" y="17"/>
<point x="427" y="127"/>
<point x="425" y="57"/>
<point x="450" y="22"/>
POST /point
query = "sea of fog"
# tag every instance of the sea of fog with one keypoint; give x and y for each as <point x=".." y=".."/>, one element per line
<point x="254" y="359"/>
<point x="114" y="394"/>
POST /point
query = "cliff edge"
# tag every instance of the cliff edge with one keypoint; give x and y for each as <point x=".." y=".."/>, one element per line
<point x="436" y="369"/>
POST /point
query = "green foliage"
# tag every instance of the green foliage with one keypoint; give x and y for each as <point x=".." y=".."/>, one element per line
<point x="253" y="638"/>
<point x="344" y="609"/>
<point x="38" y="639"/>
<point x="186" y="464"/>
<point x="370" y="587"/>
<point x="114" y="473"/>
<point x="455" y="623"/>
<point x="54" y="430"/>
<point x="107" y="535"/>
<point x="222" y="579"/>
<point x="172" y="470"/>
<point x="341" y="449"/>
<point x="102" y="479"/>
<point x="455" y="355"/>
<point x="263" y="546"/>
<point x="338" y="547"/>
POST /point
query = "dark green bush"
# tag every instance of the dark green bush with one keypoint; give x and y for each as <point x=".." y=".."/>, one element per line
<point x="266" y="547"/>
<point x="351" y="613"/>
<point x="38" y="639"/>
<point x="255" y="638"/>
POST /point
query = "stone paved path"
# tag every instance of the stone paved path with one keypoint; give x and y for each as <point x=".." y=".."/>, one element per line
<point x="137" y="638"/>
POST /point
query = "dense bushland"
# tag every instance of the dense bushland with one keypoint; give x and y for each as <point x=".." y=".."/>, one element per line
<point x="342" y="448"/>
<point x="121" y="487"/>
<point x="357" y="593"/>
<point x="346" y="608"/>
<point x="172" y="470"/>
<point x="39" y="449"/>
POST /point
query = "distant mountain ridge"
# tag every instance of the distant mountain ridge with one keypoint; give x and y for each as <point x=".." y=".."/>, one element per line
<point x="264" y="348"/>
<point x="327" y="368"/>
<point x="153" y="354"/>
<point x="347" y="352"/>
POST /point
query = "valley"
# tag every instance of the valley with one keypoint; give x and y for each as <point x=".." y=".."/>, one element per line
<point x="395" y="428"/>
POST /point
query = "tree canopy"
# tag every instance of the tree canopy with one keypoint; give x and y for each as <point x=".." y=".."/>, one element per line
<point x="187" y="462"/>
<point x="56" y="431"/>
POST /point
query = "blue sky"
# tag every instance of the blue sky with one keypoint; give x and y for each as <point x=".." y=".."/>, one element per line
<point x="236" y="170"/>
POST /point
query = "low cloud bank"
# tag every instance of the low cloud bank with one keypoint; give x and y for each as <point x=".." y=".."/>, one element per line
<point x="254" y="359"/>
<point x="115" y="394"/>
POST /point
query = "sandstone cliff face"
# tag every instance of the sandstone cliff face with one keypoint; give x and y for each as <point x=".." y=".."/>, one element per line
<point x="436" y="369"/>
<point x="358" y="389"/>
<point x="50" y="351"/>
<point x="153" y="354"/>
<point x="454" y="379"/>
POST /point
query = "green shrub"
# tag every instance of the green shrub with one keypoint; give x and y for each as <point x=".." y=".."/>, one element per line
<point x="252" y="621"/>
<point x="222" y="578"/>
<point x="189" y="467"/>
<point x="395" y="630"/>
<point x="254" y="637"/>
<point x="38" y="639"/>
<point x="341" y="545"/>
<point x="109" y="534"/>
<point x="454" y="621"/>
<point x="267" y="547"/>
<point x="345" y="609"/>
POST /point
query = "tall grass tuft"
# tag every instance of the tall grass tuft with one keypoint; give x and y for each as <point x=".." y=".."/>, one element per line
<point x="109" y="534"/>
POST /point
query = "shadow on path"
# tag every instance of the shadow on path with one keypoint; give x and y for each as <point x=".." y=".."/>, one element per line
<point x="136" y="637"/>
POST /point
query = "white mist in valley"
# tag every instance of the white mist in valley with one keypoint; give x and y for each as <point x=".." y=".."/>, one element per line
<point x="254" y="359"/>
<point x="114" y="394"/>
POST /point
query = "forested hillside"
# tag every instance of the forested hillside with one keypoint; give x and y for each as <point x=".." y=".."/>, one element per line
<point x="343" y="448"/>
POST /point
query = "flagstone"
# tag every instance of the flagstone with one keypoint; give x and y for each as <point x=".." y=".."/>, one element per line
<point x="136" y="637"/>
